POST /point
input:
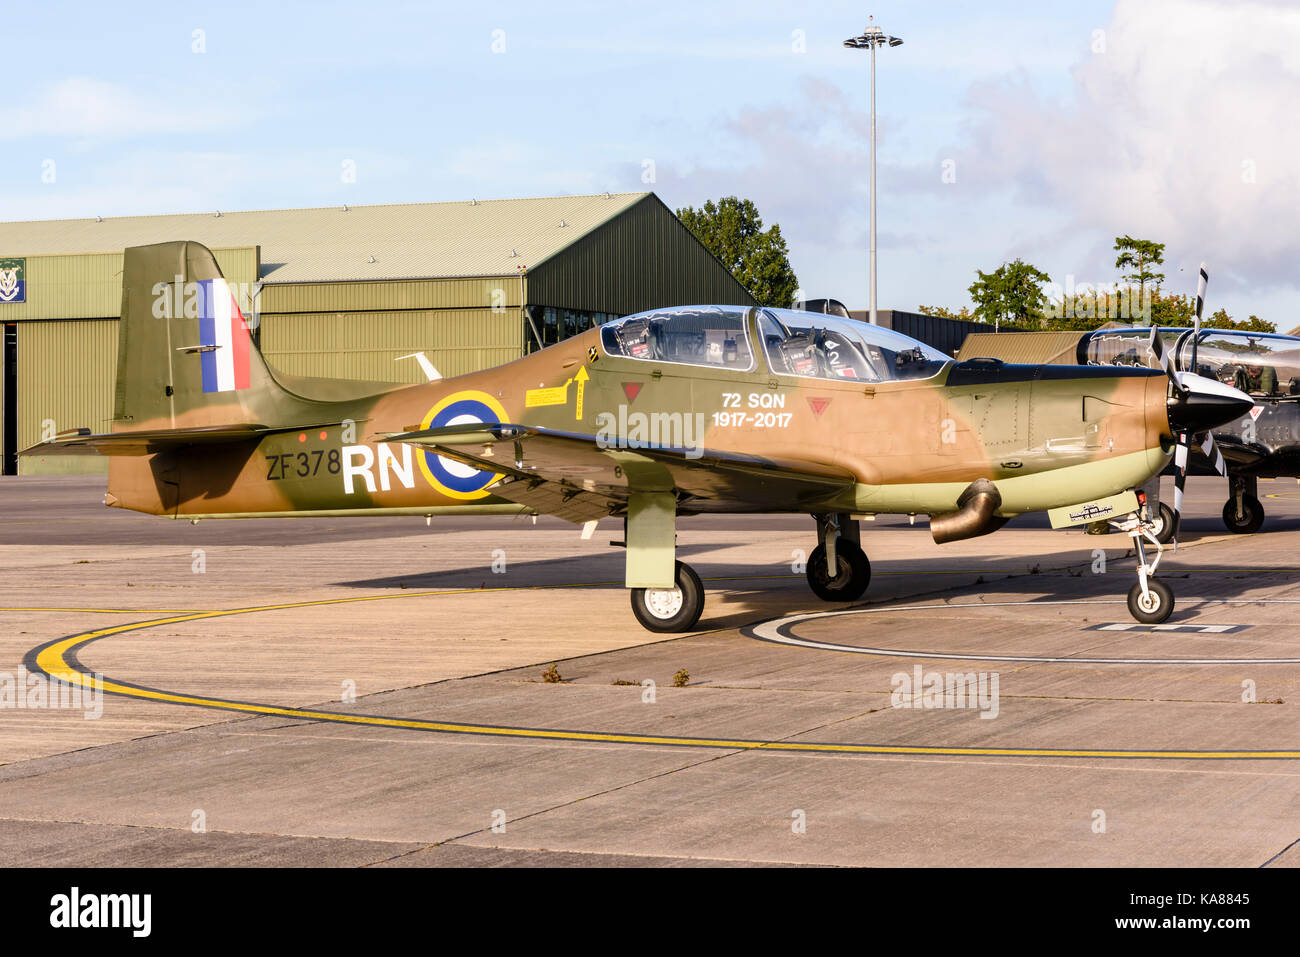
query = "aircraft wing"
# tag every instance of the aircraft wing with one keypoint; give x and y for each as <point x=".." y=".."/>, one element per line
<point x="572" y="476"/>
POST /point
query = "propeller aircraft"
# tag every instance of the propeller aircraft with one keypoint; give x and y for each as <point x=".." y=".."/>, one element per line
<point x="1263" y="442"/>
<point x="666" y="413"/>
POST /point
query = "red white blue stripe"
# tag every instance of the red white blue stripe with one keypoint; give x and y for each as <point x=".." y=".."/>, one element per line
<point x="223" y="332"/>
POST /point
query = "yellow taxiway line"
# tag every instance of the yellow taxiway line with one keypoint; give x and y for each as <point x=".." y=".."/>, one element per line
<point x="53" y="659"/>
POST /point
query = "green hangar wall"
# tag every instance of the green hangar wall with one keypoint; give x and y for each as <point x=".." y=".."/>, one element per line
<point x="341" y="292"/>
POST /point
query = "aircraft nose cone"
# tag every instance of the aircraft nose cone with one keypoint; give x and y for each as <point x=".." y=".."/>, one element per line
<point x="1205" y="404"/>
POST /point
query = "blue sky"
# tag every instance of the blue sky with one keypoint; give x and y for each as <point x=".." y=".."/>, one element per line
<point x="1058" y="145"/>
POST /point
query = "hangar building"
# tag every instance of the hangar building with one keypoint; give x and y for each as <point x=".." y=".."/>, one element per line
<point x="341" y="292"/>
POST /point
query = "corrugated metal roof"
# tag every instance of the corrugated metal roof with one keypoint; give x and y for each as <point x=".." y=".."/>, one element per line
<point x="1036" y="347"/>
<point x="407" y="241"/>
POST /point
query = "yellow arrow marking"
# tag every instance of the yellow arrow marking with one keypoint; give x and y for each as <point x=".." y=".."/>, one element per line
<point x="581" y="378"/>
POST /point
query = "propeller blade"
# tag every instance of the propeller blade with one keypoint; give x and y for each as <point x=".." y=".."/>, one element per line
<point x="1201" y="283"/>
<point x="1193" y="405"/>
<point x="1164" y="357"/>
<point x="1181" y="463"/>
<point x="1212" y="453"/>
<point x="1180" y="481"/>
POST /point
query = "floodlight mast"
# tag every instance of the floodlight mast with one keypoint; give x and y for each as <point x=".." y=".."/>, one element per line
<point x="871" y="38"/>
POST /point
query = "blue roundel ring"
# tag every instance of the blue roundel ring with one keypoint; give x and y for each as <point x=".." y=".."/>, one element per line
<point x="475" y="406"/>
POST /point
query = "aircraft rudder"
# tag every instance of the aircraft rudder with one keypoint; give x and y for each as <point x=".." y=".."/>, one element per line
<point x="186" y="355"/>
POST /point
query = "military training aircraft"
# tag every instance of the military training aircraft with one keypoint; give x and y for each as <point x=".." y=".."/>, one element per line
<point x="671" y="412"/>
<point x="1264" y="442"/>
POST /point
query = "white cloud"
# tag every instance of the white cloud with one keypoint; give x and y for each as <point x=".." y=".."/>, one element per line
<point x="803" y="165"/>
<point x="1182" y="131"/>
<point x="86" y="108"/>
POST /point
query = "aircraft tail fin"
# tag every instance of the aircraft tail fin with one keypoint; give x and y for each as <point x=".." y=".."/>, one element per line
<point x="186" y="357"/>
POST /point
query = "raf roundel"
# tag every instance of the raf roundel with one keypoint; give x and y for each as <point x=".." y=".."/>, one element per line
<point x="451" y="478"/>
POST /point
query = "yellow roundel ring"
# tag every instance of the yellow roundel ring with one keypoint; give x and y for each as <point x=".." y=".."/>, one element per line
<point x="451" y="478"/>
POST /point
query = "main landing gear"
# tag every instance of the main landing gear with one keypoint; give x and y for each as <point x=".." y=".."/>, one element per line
<point x="666" y="594"/>
<point x="1243" y="513"/>
<point x="839" y="550"/>
<point x="837" y="569"/>
<point x="670" y="609"/>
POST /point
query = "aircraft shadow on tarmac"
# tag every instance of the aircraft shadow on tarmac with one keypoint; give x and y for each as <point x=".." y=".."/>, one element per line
<point x="597" y="570"/>
<point x="1048" y="577"/>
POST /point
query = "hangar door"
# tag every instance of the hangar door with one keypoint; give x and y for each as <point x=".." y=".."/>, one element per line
<point x="8" y="398"/>
<point x="66" y="371"/>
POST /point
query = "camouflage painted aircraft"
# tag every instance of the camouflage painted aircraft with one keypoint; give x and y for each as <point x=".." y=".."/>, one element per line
<point x="666" y="413"/>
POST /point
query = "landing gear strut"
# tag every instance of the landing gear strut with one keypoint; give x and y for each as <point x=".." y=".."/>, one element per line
<point x="839" y="550"/>
<point x="666" y="594"/>
<point x="1149" y="601"/>
<point x="1243" y="514"/>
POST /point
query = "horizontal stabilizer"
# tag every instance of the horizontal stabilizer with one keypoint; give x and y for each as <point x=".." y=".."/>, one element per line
<point x="149" y="442"/>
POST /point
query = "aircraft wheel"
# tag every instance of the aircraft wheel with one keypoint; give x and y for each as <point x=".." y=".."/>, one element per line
<point x="1153" y="607"/>
<point x="670" y="609"/>
<point x="852" y="575"/>
<point x="1163" y="524"/>
<point x="1252" y="515"/>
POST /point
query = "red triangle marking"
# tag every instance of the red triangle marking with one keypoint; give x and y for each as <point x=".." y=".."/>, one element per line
<point x="632" y="390"/>
<point x="818" y="404"/>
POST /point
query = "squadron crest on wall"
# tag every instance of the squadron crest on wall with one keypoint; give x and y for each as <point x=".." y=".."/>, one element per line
<point x="13" y="282"/>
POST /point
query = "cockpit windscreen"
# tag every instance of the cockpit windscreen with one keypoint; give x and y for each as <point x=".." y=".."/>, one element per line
<point x="1263" y="365"/>
<point x="712" y="336"/>
<point x="816" y="345"/>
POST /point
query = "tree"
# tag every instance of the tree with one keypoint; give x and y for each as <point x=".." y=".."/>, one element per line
<point x="1011" y="293"/>
<point x="1140" y="255"/>
<point x="1256" y="324"/>
<point x="943" y="313"/>
<point x="733" y="231"/>
<point x="1221" y="320"/>
<point x="1171" y="310"/>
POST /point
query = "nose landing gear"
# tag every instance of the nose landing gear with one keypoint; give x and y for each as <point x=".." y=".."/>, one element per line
<point x="1149" y="601"/>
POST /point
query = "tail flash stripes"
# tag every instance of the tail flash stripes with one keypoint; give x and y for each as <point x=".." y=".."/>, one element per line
<point x="225" y="335"/>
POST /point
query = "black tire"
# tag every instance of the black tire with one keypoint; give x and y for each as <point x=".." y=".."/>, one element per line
<point x="1153" y="608"/>
<point x="853" y="573"/>
<point x="1164" y="524"/>
<point x="1252" y="515"/>
<point x="666" y="610"/>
